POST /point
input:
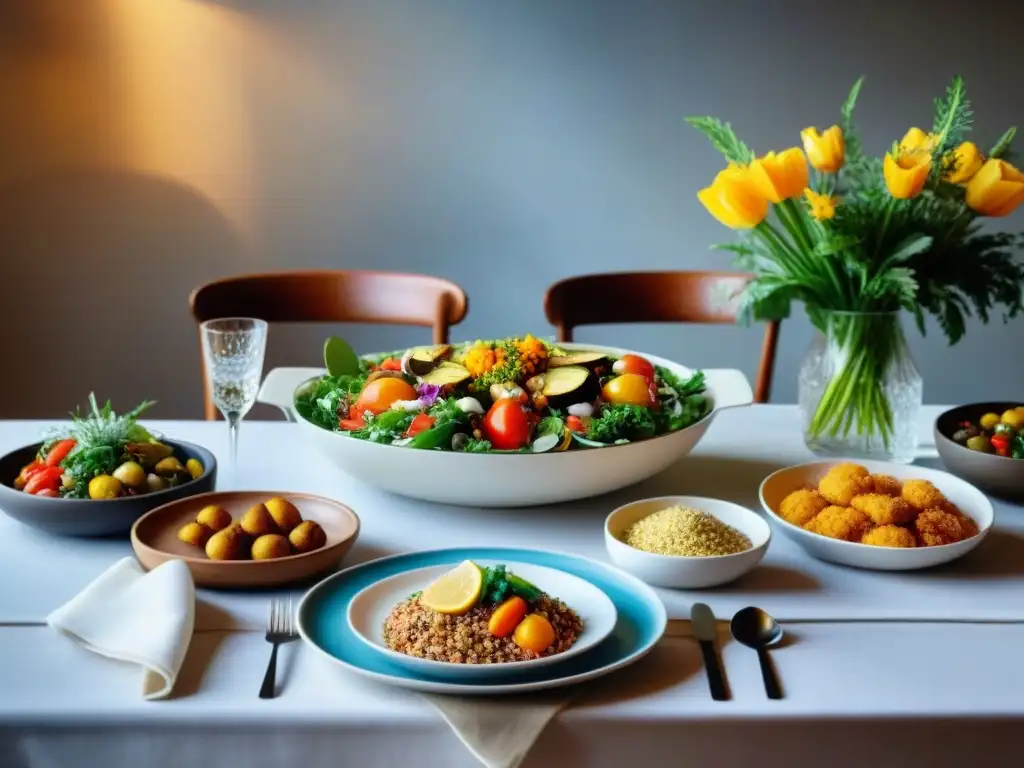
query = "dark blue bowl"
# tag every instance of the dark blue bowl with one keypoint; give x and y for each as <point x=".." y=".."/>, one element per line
<point x="95" y="517"/>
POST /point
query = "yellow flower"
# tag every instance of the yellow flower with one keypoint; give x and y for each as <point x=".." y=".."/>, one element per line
<point x="827" y="152"/>
<point x="917" y="140"/>
<point x="733" y="200"/>
<point x="482" y="358"/>
<point x="968" y="162"/>
<point x="532" y="353"/>
<point x="780" y="177"/>
<point x="905" y="176"/>
<point x="822" y="206"/>
<point x="996" y="190"/>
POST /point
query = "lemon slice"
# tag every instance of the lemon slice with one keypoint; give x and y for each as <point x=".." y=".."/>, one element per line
<point x="455" y="592"/>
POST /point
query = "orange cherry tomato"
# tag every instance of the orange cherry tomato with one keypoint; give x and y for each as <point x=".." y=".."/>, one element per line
<point x="59" y="451"/>
<point x="638" y="365"/>
<point x="381" y="394"/>
<point x="506" y="426"/>
<point x="534" y="633"/>
<point x="421" y="422"/>
<point x="627" y="389"/>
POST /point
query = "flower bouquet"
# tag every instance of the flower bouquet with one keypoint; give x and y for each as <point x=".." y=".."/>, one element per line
<point x="862" y="238"/>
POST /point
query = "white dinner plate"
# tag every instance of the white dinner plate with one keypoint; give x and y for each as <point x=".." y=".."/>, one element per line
<point x="369" y="609"/>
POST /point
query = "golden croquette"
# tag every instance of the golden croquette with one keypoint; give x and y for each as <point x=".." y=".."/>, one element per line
<point x="889" y="536"/>
<point x="800" y="506"/>
<point x="936" y="527"/>
<point x="967" y="526"/>
<point x="843" y="482"/>
<point x="886" y="484"/>
<point x="922" y="495"/>
<point x="837" y="522"/>
<point x="884" y="510"/>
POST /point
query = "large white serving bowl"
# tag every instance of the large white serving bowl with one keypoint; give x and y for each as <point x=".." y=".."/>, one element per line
<point x="969" y="499"/>
<point x="506" y="479"/>
<point x="680" y="572"/>
<point x="371" y="607"/>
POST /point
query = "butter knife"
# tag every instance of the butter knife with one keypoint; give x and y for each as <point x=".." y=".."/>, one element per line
<point x="704" y="628"/>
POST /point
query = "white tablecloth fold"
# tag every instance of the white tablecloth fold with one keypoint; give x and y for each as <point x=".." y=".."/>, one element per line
<point x="499" y="731"/>
<point x="130" y="615"/>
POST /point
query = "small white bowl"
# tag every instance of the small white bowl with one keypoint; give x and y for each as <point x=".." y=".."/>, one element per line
<point x="969" y="499"/>
<point x="686" y="572"/>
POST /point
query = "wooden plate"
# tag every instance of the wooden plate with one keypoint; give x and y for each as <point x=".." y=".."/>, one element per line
<point x="155" y="539"/>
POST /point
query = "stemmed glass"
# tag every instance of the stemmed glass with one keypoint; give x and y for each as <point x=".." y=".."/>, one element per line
<point x="233" y="350"/>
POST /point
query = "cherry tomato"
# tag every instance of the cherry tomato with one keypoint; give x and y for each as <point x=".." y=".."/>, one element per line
<point x="576" y="424"/>
<point x="627" y="389"/>
<point x="391" y="364"/>
<point x="59" y="451"/>
<point x="638" y="365"/>
<point x="48" y="477"/>
<point x="506" y="426"/>
<point x="380" y="394"/>
<point x="422" y="422"/>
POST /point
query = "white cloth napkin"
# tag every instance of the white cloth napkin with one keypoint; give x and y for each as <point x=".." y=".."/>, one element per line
<point x="130" y="615"/>
<point x="498" y="731"/>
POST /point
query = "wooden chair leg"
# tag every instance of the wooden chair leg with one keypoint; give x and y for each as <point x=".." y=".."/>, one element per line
<point x="766" y="368"/>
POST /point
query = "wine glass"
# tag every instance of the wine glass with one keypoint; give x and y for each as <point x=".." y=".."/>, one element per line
<point x="233" y="350"/>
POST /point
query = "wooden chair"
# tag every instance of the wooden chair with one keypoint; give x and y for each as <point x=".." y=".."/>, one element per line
<point x="331" y="296"/>
<point x="656" y="297"/>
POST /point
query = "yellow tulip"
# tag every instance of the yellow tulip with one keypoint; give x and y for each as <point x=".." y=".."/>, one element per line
<point x="996" y="190"/>
<point x="827" y="152"/>
<point x="733" y="200"/>
<point x="780" y="177"/>
<point x="968" y="162"/>
<point x="917" y="140"/>
<point x="822" y="206"/>
<point x="905" y="176"/>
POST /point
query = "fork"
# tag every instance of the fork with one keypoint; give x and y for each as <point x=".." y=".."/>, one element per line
<point x="280" y="629"/>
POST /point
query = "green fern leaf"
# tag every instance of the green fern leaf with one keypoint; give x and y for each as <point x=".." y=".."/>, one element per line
<point x="723" y="138"/>
<point x="854" y="152"/>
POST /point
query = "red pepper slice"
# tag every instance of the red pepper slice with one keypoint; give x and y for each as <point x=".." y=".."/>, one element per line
<point x="59" y="451"/>
<point x="353" y="422"/>
<point x="48" y="477"/>
<point x="422" y="422"/>
<point x="1000" y="442"/>
<point x="391" y="364"/>
<point x="575" y="424"/>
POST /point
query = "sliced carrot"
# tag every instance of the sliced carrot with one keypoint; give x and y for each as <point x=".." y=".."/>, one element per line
<point x="59" y="451"/>
<point x="506" y="617"/>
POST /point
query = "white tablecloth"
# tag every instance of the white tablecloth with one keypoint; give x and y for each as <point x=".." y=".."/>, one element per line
<point x="846" y="683"/>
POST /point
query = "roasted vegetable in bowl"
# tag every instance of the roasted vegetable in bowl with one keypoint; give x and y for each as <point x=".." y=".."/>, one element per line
<point x="102" y="455"/>
<point x="509" y="395"/>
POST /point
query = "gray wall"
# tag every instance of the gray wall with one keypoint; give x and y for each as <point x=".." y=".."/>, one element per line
<point x="149" y="145"/>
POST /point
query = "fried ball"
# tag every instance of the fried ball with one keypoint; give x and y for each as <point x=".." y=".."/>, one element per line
<point x="936" y="527"/>
<point x="271" y="546"/>
<point x="967" y="525"/>
<point x="257" y="521"/>
<point x="229" y="544"/>
<point x="843" y="482"/>
<point x="214" y="517"/>
<point x="307" y="536"/>
<point x="889" y="536"/>
<point x="884" y="510"/>
<point x="886" y="484"/>
<point x="195" y="534"/>
<point x="922" y="495"/>
<point x="800" y="506"/>
<point x="285" y="514"/>
<point x="840" y="523"/>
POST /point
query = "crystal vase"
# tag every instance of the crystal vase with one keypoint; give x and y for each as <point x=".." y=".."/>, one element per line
<point x="860" y="393"/>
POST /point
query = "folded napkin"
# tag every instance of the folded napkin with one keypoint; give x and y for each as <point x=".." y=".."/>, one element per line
<point x="499" y="731"/>
<point x="130" y="615"/>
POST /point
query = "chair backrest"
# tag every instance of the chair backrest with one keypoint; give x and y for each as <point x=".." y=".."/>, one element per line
<point x="656" y="297"/>
<point x="331" y="296"/>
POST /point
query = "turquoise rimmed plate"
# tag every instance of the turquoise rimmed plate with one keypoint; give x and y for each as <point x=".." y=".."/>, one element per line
<point x="641" y="621"/>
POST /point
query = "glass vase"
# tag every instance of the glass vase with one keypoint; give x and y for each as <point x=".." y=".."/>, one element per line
<point x="860" y="393"/>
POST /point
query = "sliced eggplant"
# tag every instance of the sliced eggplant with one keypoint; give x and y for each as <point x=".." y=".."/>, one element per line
<point x="419" y="361"/>
<point x="584" y="358"/>
<point x="564" y="386"/>
<point x="446" y="374"/>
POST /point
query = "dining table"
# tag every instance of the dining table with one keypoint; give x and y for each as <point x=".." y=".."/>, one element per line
<point x="877" y="668"/>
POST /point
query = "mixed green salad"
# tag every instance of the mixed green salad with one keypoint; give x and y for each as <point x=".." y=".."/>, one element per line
<point x="518" y="394"/>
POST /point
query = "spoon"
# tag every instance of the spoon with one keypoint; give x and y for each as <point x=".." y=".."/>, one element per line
<point x="756" y="629"/>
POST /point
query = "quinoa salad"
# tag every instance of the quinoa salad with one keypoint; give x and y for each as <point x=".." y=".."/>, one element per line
<point x="475" y="615"/>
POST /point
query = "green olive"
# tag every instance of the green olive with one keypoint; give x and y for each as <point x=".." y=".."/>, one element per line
<point x="168" y="466"/>
<point x="979" y="443"/>
<point x="131" y="474"/>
